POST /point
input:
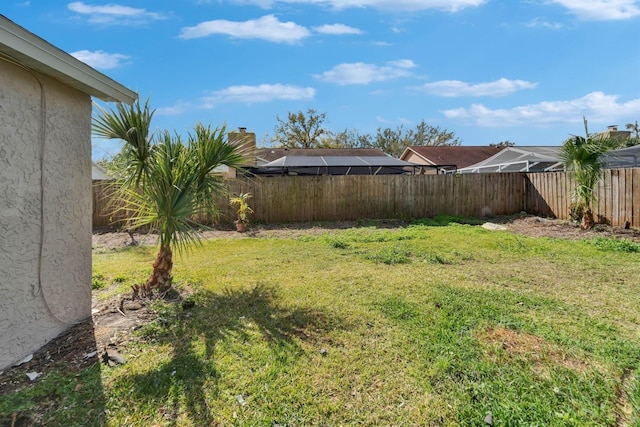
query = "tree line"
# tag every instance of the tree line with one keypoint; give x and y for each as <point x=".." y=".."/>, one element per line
<point x="307" y="130"/>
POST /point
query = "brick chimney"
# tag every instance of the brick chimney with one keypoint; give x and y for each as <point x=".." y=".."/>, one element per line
<point x="247" y="143"/>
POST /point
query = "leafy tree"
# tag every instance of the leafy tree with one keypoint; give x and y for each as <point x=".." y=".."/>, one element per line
<point x="426" y="135"/>
<point x="395" y="141"/>
<point x="166" y="182"/>
<point x="114" y="164"/>
<point x="503" y="144"/>
<point x="350" y="138"/>
<point x="300" y="130"/>
<point x="581" y="155"/>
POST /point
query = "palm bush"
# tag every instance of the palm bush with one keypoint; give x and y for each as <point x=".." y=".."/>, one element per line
<point x="582" y="156"/>
<point x="167" y="183"/>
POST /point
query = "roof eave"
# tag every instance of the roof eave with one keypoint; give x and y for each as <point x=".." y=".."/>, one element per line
<point x="37" y="54"/>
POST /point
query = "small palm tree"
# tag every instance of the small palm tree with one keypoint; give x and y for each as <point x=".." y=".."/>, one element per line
<point x="635" y="132"/>
<point x="582" y="157"/>
<point x="634" y="128"/>
<point x="166" y="182"/>
<point x="243" y="209"/>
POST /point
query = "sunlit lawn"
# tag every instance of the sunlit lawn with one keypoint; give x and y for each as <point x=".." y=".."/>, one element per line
<point x="423" y="325"/>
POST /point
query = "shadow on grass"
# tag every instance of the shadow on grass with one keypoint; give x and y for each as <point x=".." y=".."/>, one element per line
<point x="184" y="385"/>
<point x="70" y="390"/>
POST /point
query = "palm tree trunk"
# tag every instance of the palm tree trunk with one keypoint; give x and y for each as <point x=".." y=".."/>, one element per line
<point x="160" y="279"/>
<point x="588" y="220"/>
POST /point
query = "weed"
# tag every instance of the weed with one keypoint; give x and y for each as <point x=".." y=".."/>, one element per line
<point x="615" y="245"/>
<point x="98" y="281"/>
<point x="337" y="243"/>
<point x="391" y="255"/>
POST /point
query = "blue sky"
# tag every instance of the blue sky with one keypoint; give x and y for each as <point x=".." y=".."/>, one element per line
<point x="489" y="70"/>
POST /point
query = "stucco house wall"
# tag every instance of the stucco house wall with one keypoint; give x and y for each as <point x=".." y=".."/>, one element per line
<point x="43" y="122"/>
<point x="414" y="158"/>
<point x="45" y="189"/>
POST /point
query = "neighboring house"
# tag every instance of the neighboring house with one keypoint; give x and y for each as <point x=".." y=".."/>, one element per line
<point x="623" y="158"/>
<point x="327" y="161"/>
<point x="613" y="133"/>
<point x="45" y="197"/>
<point x="97" y="172"/>
<point x="336" y="165"/>
<point x="246" y="141"/>
<point x="519" y="159"/>
<point x="443" y="159"/>
<point x="266" y="155"/>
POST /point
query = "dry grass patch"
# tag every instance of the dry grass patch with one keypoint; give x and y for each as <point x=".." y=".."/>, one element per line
<point x="539" y="353"/>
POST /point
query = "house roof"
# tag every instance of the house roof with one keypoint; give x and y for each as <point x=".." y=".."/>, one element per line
<point x="336" y="161"/>
<point x="97" y="172"/>
<point x="519" y="159"/>
<point x="461" y="156"/>
<point x="271" y="154"/>
<point x="623" y="158"/>
<point x="29" y="50"/>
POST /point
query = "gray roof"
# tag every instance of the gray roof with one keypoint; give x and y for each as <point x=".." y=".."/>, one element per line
<point x="39" y="55"/>
<point x="336" y="161"/>
<point x="519" y="159"/>
<point x="623" y="158"/>
<point x="266" y="154"/>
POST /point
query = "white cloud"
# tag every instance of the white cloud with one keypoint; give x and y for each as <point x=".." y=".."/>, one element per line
<point x="266" y="28"/>
<point x="399" y="121"/>
<point x="100" y="59"/>
<point x="602" y="10"/>
<point x="455" y="88"/>
<point x="114" y="14"/>
<point x="596" y="106"/>
<point x="359" y="73"/>
<point x="387" y="5"/>
<point x="174" y="110"/>
<point x="541" y="23"/>
<point x="337" y="29"/>
<point x="261" y="93"/>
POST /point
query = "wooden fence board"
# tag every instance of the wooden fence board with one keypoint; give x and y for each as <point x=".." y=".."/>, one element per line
<point x="628" y="196"/>
<point x="635" y="197"/>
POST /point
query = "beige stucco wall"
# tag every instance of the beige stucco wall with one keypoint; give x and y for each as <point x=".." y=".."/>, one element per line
<point x="414" y="158"/>
<point x="45" y="278"/>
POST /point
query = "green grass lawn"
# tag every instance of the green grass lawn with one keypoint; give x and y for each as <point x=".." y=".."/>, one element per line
<point x="432" y="324"/>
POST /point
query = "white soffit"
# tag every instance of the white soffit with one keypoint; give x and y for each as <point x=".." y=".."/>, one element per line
<point x="36" y="53"/>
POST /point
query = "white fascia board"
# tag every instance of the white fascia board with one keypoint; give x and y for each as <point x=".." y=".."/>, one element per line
<point x="39" y="55"/>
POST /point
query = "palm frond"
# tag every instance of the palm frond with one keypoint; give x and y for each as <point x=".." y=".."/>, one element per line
<point x="130" y="124"/>
<point x="582" y="156"/>
<point x="167" y="184"/>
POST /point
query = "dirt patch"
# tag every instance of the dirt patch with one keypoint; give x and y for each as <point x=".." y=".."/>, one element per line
<point x="535" y="226"/>
<point x="524" y="224"/>
<point x="109" y="239"/>
<point x="109" y="328"/>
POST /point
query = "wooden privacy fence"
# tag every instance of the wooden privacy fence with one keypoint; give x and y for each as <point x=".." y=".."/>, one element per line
<point x="617" y="194"/>
<point x="331" y="198"/>
<point x="320" y="198"/>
